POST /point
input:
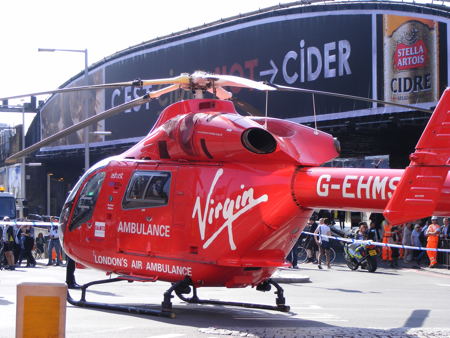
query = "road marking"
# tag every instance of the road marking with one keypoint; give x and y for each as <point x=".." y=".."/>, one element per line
<point x="317" y="318"/>
<point x="308" y="307"/>
<point x="92" y="333"/>
<point x="430" y="273"/>
<point x="170" y="335"/>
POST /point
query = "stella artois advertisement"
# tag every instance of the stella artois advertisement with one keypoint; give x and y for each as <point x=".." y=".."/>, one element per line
<point x="410" y="59"/>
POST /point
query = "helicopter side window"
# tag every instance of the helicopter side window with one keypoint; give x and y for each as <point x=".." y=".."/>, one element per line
<point x="147" y="189"/>
<point x="86" y="202"/>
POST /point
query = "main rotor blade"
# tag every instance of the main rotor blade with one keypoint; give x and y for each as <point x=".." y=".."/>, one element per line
<point x="229" y="80"/>
<point x="91" y="120"/>
<point x="346" y="96"/>
<point x="198" y="80"/>
<point x="181" y="79"/>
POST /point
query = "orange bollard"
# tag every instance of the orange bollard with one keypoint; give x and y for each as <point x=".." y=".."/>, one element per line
<point x="41" y="310"/>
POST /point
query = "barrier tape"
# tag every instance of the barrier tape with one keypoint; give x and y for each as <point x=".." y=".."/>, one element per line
<point x="369" y="242"/>
<point x="33" y="223"/>
<point x="347" y="240"/>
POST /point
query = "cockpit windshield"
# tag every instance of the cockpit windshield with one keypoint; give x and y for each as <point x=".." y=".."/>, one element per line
<point x="69" y="201"/>
<point x="86" y="202"/>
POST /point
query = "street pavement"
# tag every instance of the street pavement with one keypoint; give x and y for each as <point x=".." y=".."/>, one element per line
<point x="324" y="303"/>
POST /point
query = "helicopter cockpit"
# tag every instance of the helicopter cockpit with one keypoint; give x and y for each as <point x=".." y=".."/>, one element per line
<point x="86" y="201"/>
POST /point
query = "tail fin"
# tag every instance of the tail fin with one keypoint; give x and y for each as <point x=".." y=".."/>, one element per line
<point x="417" y="193"/>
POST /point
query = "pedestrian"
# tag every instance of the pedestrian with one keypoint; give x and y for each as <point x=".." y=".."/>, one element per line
<point x="341" y="218"/>
<point x="2" y="256"/>
<point x="8" y="243"/>
<point x="310" y="244"/>
<point x="17" y="242"/>
<point x="373" y="235"/>
<point x="445" y="233"/>
<point x="432" y="233"/>
<point x="416" y="241"/>
<point x="70" y="274"/>
<point x="292" y="257"/>
<point x="445" y="239"/>
<point x="54" y="243"/>
<point x="40" y="242"/>
<point x="362" y="234"/>
<point x="406" y="240"/>
<point x="386" y="253"/>
<point x="28" y="235"/>
<point x="323" y="242"/>
<point x="395" y="238"/>
<point x="22" y="245"/>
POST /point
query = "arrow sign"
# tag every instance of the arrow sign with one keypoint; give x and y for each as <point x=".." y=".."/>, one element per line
<point x="273" y="71"/>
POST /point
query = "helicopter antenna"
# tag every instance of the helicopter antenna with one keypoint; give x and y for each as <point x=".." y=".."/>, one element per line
<point x="267" y="106"/>
<point x="346" y="96"/>
<point x="315" y="116"/>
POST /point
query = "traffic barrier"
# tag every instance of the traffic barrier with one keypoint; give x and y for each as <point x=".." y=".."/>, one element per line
<point x="369" y="242"/>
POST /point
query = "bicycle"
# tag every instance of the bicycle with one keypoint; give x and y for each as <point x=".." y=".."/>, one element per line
<point x="302" y="255"/>
<point x="37" y="254"/>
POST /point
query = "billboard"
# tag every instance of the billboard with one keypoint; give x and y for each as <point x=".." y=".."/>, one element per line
<point x="10" y="179"/>
<point x="411" y="59"/>
<point x="62" y="111"/>
<point x="398" y="53"/>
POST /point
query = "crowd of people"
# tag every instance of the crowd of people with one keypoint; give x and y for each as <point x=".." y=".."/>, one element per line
<point x="17" y="243"/>
<point x="422" y="233"/>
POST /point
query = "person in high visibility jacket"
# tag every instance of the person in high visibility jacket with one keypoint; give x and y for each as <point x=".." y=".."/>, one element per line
<point x="386" y="252"/>
<point x="433" y="232"/>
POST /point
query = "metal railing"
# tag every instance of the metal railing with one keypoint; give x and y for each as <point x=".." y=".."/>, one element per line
<point x="444" y="257"/>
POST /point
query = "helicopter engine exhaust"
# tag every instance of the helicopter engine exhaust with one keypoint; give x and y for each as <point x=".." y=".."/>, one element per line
<point x="259" y="141"/>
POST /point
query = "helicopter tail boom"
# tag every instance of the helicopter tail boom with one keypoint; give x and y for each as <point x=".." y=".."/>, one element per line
<point x="368" y="190"/>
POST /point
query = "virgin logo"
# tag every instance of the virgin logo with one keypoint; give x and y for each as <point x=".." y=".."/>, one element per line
<point x="228" y="211"/>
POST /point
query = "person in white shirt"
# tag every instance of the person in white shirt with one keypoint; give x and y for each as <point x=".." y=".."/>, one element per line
<point x="323" y="242"/>
<point x="54" y="243"/>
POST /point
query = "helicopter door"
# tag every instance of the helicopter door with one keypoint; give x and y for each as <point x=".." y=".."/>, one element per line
<point x="146" y="220"/>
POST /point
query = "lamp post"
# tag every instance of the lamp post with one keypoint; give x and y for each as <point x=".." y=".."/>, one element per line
<point x="85" y="131"/>
<point x="22" y="165"/>
<point x="49" y="175"/>
<point x="22" y="193"/>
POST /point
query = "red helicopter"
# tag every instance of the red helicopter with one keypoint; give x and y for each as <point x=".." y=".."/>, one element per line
<point x="213" y="198"/>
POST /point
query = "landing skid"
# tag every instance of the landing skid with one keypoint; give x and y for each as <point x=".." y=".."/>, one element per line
<point x="180" y="288"/>
<point x="265" y="286"/>
<point x="140" y="310"/>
